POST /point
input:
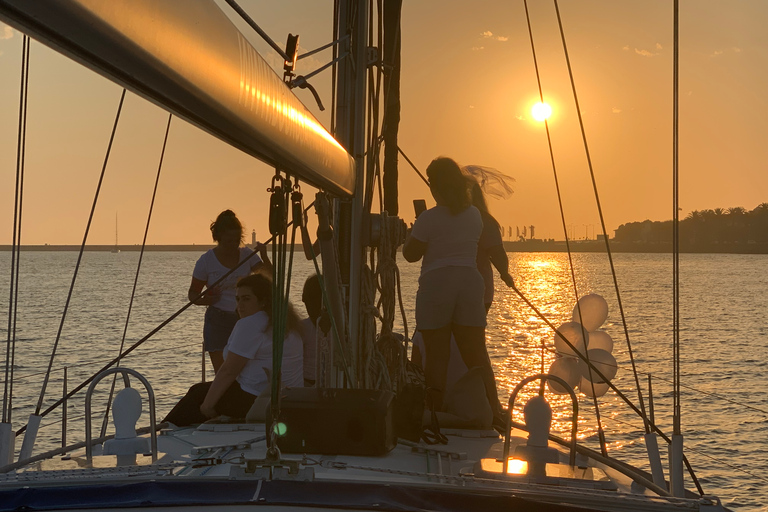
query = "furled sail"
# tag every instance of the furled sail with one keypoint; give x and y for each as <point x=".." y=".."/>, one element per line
<point x="189" y="58"/>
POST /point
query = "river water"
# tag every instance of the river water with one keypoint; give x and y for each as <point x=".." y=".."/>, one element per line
<point x="724" y="337"/>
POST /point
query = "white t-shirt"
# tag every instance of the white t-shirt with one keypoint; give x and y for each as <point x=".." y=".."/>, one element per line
<point x="451" y="239"/>
<point x="309" y="339"/>
<point x="252" y="338"/>
<point x="209" y="269"/>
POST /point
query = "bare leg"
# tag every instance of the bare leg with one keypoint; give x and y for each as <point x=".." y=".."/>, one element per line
<point x="471" y="343"/>
<point x="437" y="344"/>
<point x="217" y="359"/>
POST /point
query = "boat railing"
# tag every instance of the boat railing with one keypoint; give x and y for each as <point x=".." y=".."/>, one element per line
<point x="152" y="417"/>
<point x="543" y="377"/>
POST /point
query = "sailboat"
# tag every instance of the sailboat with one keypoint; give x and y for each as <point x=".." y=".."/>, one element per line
<point x="116" y="248"/>
<point x="334" y="447"/>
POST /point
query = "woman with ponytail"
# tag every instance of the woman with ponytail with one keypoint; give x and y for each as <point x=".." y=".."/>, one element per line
<point x="450" y="296"/>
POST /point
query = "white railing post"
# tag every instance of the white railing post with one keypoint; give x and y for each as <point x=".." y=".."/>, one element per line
<point x="30" y="436"/>
<point x="7" y="444"/>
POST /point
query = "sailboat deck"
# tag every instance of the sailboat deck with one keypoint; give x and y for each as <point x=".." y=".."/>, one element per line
<point x="234" y="454"/>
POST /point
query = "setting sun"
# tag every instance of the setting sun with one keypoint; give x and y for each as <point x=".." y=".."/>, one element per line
<point x="541" y="111"/>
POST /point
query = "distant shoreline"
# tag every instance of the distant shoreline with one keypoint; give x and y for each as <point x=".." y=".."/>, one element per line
<point x="632" y="247"/>
<point x="110" y="248"/>
<point x="510" y="246"/>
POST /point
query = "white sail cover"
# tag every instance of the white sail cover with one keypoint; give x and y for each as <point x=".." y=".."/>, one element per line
<point x="189" y="58"/>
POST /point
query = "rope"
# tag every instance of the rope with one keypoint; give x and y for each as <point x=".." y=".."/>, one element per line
<point x="602" y="219"/>
<point x="10" y="352"/>
<point x="413" y="166"/>
<point x="327" y="304"/>
<point x="278" y="226"/>
<point x="136" y="277"/>
<point x="565" y="229"/>
<point x="80" y="256"/>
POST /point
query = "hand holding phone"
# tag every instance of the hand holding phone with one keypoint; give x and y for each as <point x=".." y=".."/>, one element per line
<point x="419" y="206"/>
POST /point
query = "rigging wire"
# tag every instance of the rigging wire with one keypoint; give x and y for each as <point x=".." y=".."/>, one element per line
<point x="713" y="395"/>
<point x="244" y="15"/>
<point x="136" y="277"/>
<point x="344" y="39"/>
<point x="616" y="390"/>
<point x="10" y="352"/>
<point x="700" y="452"/>
<point x="413" y="166"/>
<point x="602" y="218"/>
<point x="80" y="255"/>
<point x="676" y="221"/>
<point x="601" y="433"/>
<point x="316" y="50"/>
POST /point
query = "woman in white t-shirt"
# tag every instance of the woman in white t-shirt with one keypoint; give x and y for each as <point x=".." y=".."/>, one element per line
<point x="247" y="360"/>
<point x="220" y="316"/>
<point x="450" y="296"/>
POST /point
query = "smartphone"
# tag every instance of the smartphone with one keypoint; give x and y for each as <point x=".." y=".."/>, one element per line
<point x="419" y="205"/>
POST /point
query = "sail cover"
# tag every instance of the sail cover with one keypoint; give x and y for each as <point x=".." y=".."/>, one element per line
<point x="190" y="59"/>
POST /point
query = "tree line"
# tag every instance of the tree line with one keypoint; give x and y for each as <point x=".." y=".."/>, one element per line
<point x="702" y="228"/>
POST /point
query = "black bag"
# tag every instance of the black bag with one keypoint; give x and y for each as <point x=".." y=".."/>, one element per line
<point x="409" y="405"/>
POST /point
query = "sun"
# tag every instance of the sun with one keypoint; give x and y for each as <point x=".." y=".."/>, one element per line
<point x="541" y="111"/>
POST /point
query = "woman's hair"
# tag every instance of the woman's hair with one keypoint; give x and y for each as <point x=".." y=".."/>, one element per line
<point x="225" y="221"/>
<point x="447" y="180"/>
<point x="478" y="198"/>
<point x="261" y="286"/>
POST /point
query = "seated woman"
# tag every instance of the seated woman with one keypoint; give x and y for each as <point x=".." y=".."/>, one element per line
<point x="247" y="360"/>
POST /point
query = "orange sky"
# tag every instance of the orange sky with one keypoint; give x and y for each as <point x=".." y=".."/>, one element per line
<point x="467" y="87"/>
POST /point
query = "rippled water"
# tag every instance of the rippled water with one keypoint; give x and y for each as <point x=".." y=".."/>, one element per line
<point x="724" y="344"/>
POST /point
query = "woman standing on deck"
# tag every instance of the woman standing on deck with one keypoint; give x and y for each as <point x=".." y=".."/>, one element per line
<point x="490" y="249"/>
<point x="220" y="316"/>
<point x="450" y="296"/>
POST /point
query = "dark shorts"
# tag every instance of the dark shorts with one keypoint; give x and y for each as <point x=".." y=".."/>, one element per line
<point x="450" y="295"/>
<point x="217" y="328"/>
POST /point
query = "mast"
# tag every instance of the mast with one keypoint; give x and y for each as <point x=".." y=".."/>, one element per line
<point x="350" y="132"/>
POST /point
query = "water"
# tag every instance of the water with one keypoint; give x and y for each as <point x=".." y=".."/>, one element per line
<point x="724" y="344"/>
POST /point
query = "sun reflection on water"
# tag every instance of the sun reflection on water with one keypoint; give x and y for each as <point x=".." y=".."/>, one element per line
<point x="521" y="344"/>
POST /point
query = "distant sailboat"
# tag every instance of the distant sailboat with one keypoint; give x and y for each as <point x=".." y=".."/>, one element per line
<point x="116" y="248"/>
